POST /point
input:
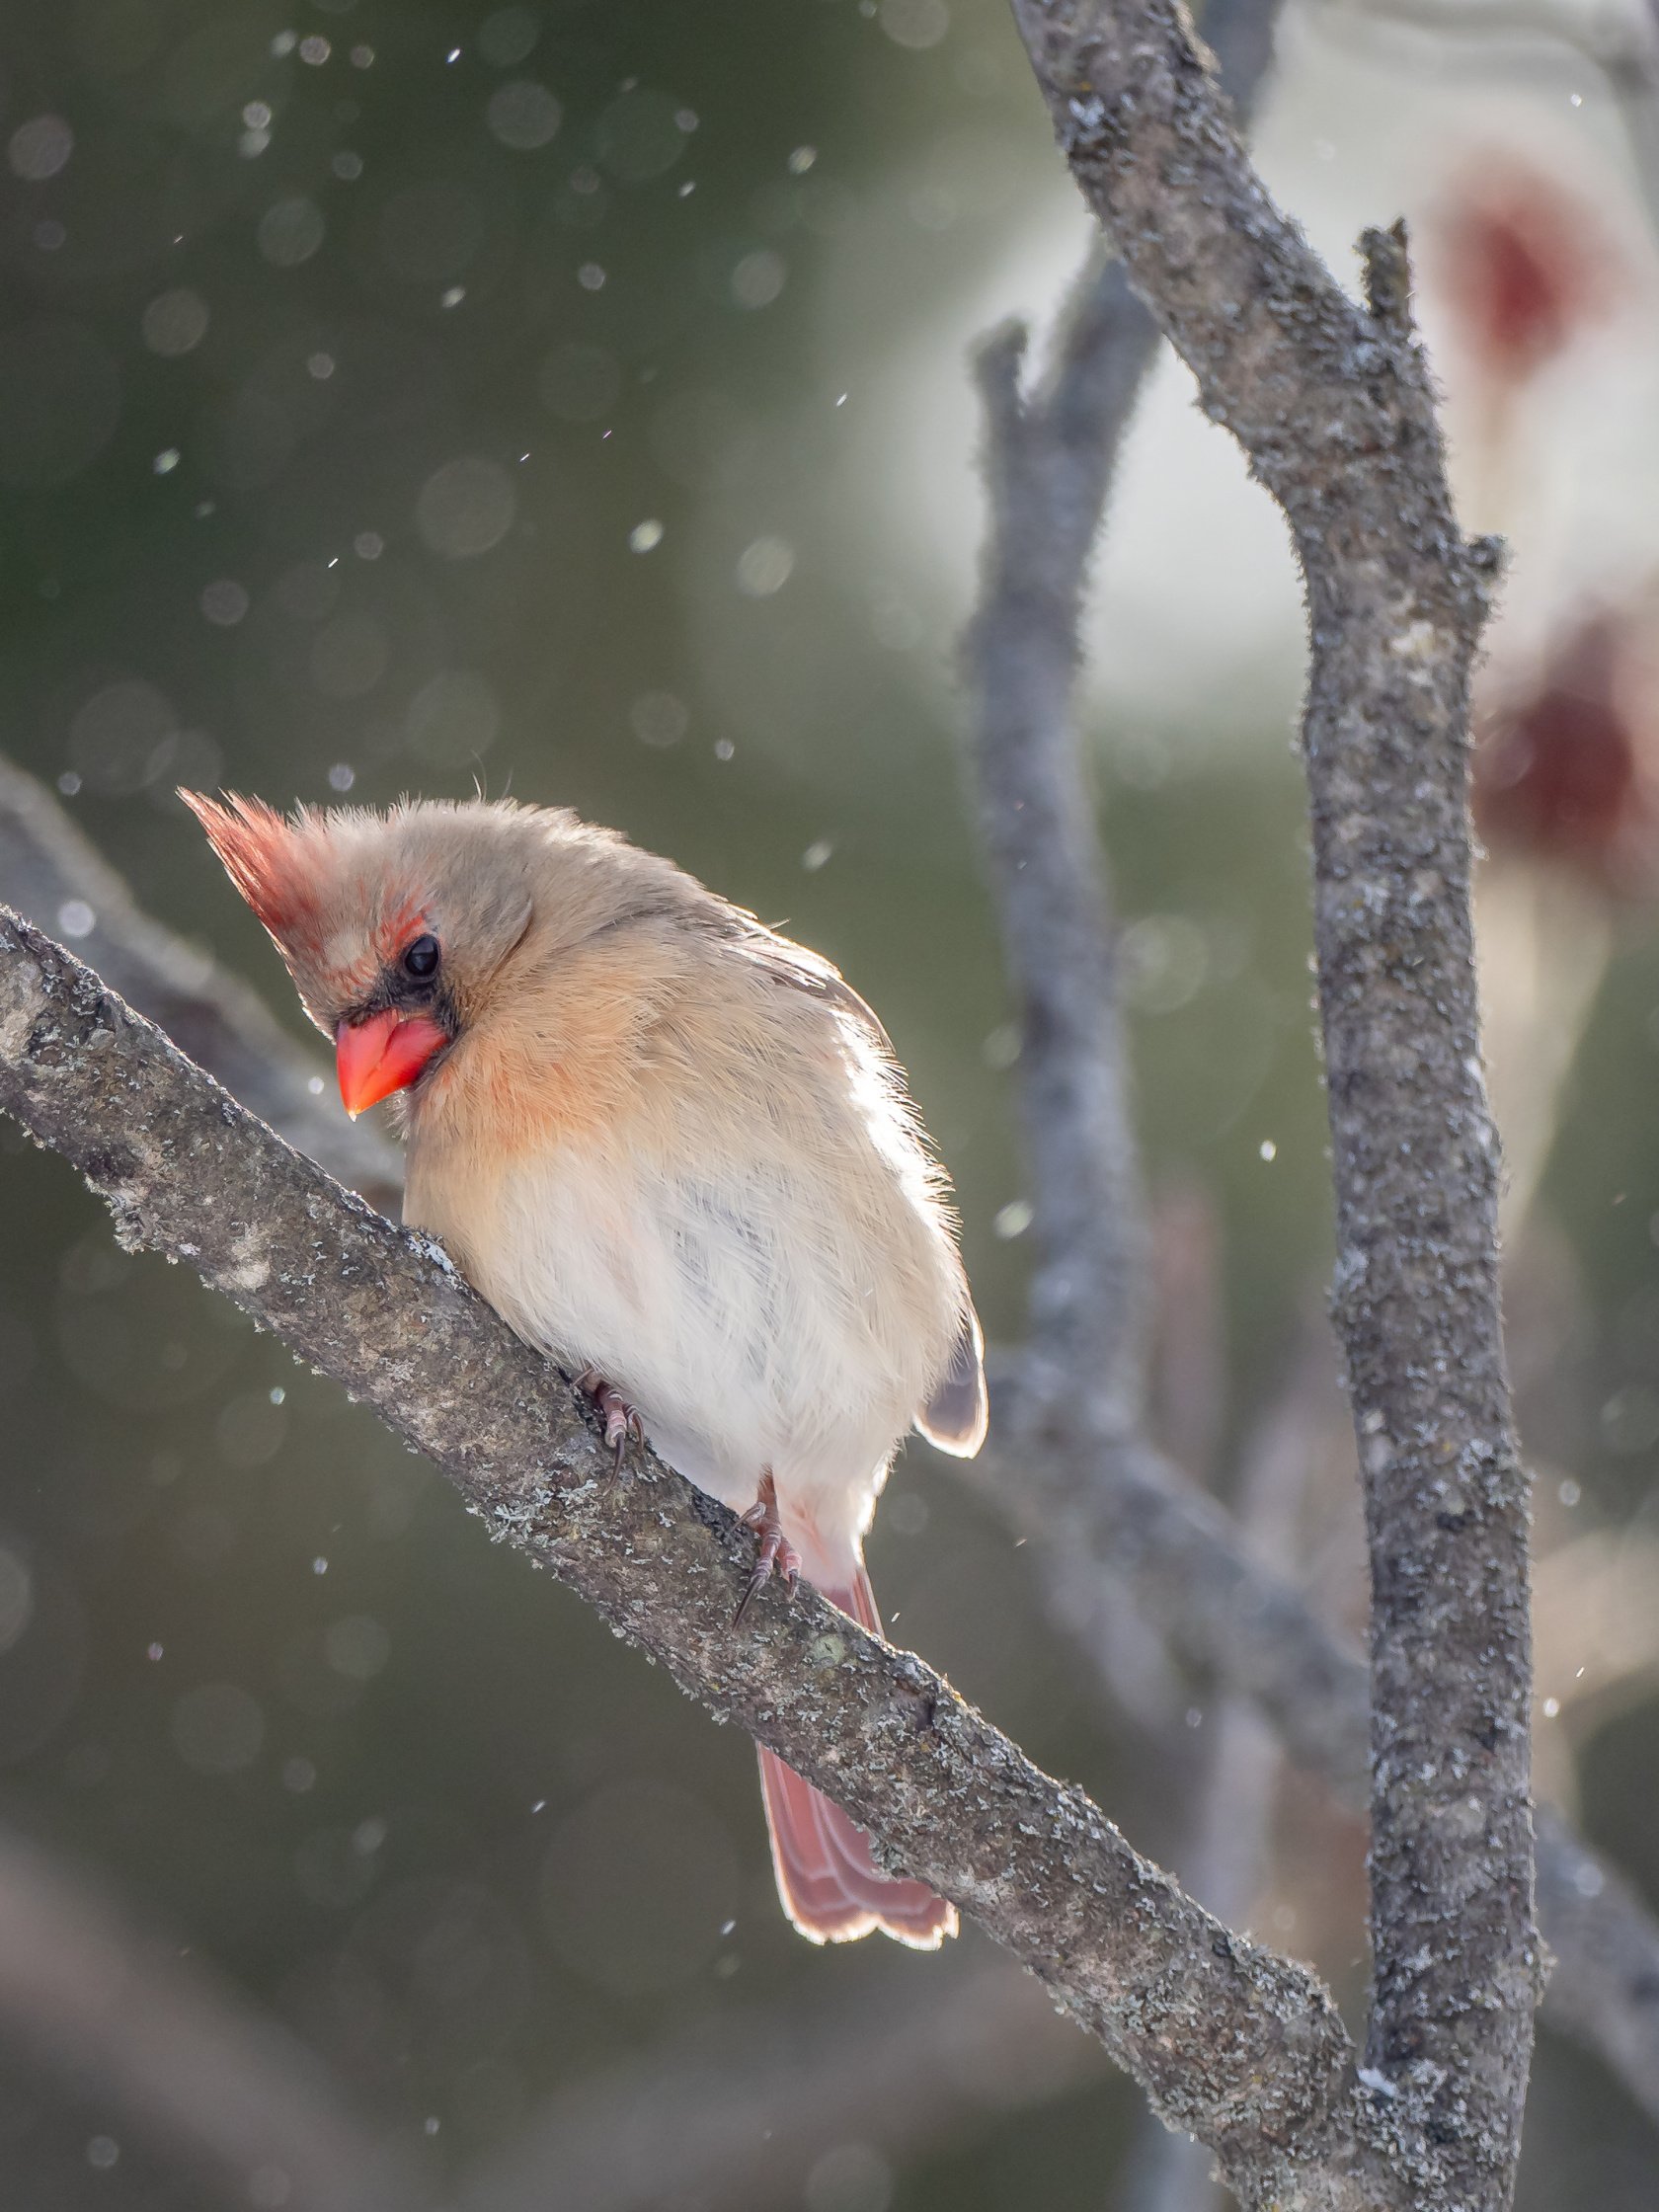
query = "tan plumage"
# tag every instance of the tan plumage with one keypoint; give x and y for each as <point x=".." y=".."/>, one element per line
<point x="671" y="1147"/>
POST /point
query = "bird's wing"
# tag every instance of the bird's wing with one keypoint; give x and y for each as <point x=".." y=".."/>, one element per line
<point x="956" y="1416"/>
<point x="803" y="970"/>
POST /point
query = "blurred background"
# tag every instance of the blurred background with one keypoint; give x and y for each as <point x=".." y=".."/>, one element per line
<point x="572" y="399"/>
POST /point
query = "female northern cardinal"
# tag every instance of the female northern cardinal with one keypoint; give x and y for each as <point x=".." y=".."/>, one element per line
<point x="675" y="1153"/>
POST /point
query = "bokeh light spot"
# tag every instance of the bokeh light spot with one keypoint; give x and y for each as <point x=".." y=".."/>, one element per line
<point x="465" y="507"/>
<point x="452" y="720"/>
<point x="350" y="656"/>
<point x="764" y="566"/>
<point x="224" y="602"/>
<point x="116" y="734"/>
<point x="639" y="135"/>
<point x="40" y="148"/>
<point x="175" y="322"/>
<point x="356" y="1646"/>
<point x="658" y="718"/>
<point x="522" y="115"/>
<point x="914" y="23"/>
<point x="758" y="279"/>
<point x="508" y="37"/>
<point x="291" y="231"/>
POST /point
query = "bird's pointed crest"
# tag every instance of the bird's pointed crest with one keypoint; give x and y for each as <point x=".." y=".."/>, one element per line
<point x="272" y="861"/>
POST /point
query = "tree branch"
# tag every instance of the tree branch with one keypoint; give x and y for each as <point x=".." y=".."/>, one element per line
<point x="49" y="869"/>
<point x="1234" y="2044"/>
<point x="1333" y="406"/>
<point x="1048" y="481"/>
<point x="1051" y="456"/>
<point x="1106" y="1514"/>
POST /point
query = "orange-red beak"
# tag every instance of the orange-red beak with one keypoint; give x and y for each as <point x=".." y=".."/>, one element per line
<point x="382" y="1054"/>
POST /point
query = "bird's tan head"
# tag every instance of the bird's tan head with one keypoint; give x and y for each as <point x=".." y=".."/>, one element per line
<point x="395" y="927"/>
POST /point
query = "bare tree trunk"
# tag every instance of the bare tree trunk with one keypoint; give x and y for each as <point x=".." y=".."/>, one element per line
<point x="1334" y="408"/>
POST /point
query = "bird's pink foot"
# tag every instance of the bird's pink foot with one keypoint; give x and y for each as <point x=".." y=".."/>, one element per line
<point x="621" y="1420"/>
<point x="772" y="1554"/>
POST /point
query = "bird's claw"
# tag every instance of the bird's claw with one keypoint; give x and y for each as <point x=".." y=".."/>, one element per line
<point x="621" y="1420"/>
<point x="774" y="1556"/>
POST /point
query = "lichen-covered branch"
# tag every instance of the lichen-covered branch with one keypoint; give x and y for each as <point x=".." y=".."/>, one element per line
<point x="1099" y="1504"/>
<point x="1234" y="2044"/>
<point x="1332" y="405"/>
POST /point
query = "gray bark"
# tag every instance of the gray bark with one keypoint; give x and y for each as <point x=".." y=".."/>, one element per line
<point x="1232" y="2043"/>
<point x="1090" y="1505"/>
<point x="1332" y="403"/>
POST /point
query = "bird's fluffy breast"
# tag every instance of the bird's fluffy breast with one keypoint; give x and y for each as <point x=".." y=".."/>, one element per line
<point x="725" y="1205"/>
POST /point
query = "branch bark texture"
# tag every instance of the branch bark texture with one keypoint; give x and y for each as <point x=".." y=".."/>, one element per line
<point x="1233" y="2044"/>
<point x="1332" y="403"/>
<point x="1096" y="1503"/>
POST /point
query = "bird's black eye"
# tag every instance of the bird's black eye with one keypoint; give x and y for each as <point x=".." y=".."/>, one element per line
<point x="421" y="959"/>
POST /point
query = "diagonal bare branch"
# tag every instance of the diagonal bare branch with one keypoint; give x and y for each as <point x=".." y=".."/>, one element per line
<point x="1092" y="1508"/>
<point x="1234" y="2044"/>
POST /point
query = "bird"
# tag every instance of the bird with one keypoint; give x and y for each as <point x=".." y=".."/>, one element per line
<point x="677" y="1153"/>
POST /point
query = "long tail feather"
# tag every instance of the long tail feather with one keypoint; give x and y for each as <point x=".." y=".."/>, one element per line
<point x="830" y="1887"/>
